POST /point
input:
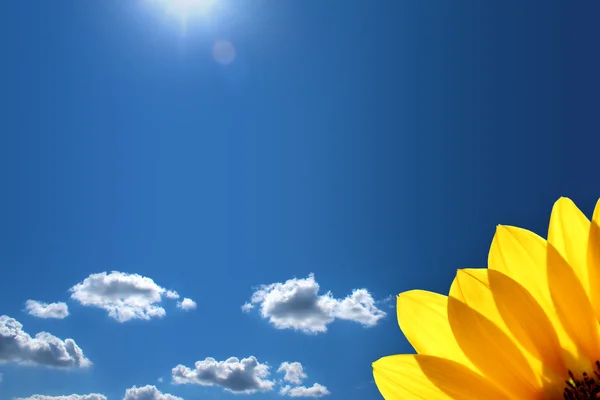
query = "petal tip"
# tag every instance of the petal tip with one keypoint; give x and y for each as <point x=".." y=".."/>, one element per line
<point x="596" y="215"/>
<point x="377" y="363"/>
<point x="500" y="228"/>
<point x="563" y="201"/>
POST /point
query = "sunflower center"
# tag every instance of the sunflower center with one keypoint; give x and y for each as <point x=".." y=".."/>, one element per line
<point x="586" y="388"/>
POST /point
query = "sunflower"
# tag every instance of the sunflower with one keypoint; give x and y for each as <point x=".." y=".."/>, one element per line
<point x="524" y="328"/>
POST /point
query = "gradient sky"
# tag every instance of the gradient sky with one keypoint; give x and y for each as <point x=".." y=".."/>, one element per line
<point x="375" y="145"/>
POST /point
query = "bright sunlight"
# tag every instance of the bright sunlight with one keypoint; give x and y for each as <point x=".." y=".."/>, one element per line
<point x="186" y="9"/>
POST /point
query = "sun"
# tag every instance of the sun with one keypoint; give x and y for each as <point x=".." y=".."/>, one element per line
<point x="188" y="7"/>
<point x="185" y="9"/>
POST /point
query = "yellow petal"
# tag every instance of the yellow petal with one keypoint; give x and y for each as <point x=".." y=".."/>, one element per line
<point x="568" y="277"/>
<point x="421" y="377"/>
<point x="521" y="255"/>
<point x="423" y="318"/>
<point x="485" y="339"/>
<point x="572" y="305"/>
<point x="527" y="321"/>
<point x="593" y="259"/>
<point x="568" y="233"/>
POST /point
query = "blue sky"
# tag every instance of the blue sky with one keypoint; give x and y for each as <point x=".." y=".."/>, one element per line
<point x="286" y="166"/>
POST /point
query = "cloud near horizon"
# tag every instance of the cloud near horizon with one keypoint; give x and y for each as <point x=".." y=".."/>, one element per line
<point x="297" y="304"/>
<point x="44" y="349"/>
<point x="93" y="396"/>
<point x="147" y="392"/>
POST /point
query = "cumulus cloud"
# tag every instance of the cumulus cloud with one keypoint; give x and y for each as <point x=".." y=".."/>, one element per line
<point x="171" y="294"/>
<point x="124" y="296"/>
<point x="294" y="372"/>
<point x="234" y="375"/>
<point x="45" y="310"/>
<point x="142" y="393"/>
<point x="44" y="349"/>
<point x="186" y="304"/>
<point x="92" y="396"/>
<point x="297" y="304"/>
<point x="315" y="390"/>
<point x="359" y="307"/>
<point x="147" y="392"/>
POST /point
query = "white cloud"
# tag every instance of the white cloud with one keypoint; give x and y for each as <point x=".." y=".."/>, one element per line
<point x="124" y="296"/>
<point x="315" y="390"/>
<point x="171" y="294"/>
<point x="186" y="304"/>
<point x="389" y="300"/>
<point x="294" y="372"/>
<point x="234" y="375"/>
<point x="44" y="349"/>
<point x="92" y="396"/>
<point x="247" y="307"/>
<point x="359" y="307"/>
<point x="147" y="392"/>
<point x="45" y="310"/>
<point x="160" y="379"/>
<point x="142" y="393"/>
<point x="296" y="304"/>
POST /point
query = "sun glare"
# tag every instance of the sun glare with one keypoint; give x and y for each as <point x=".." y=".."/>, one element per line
<point x="185" y="9"/>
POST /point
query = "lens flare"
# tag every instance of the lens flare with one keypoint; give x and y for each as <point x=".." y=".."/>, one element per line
<point x="223" y="52"/>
